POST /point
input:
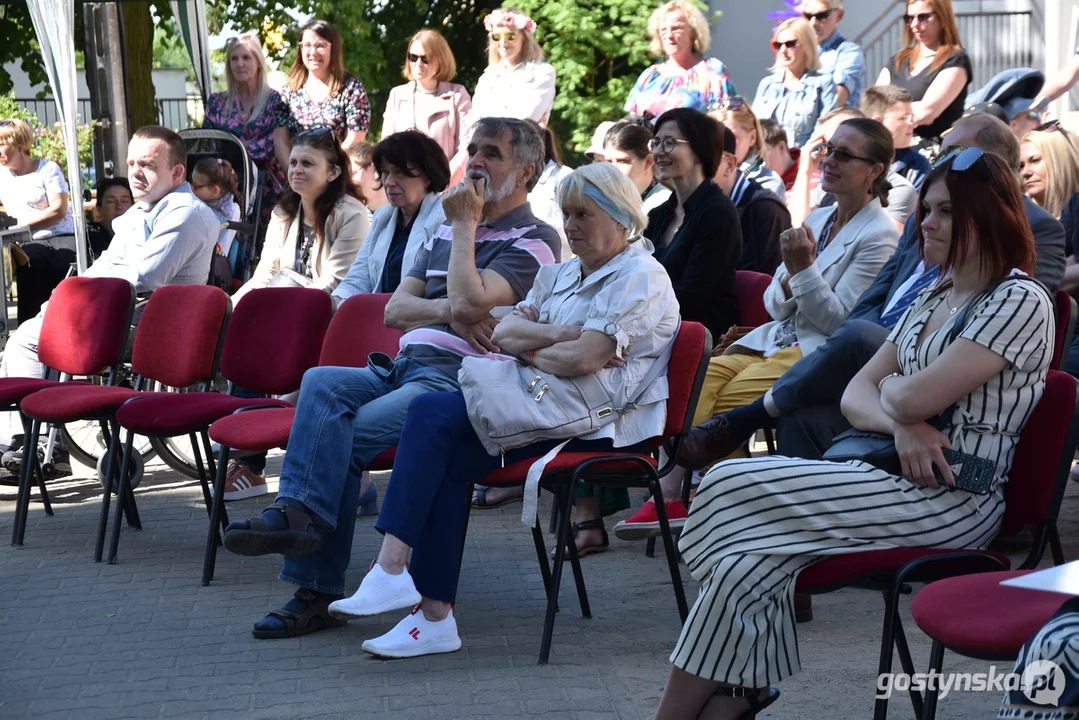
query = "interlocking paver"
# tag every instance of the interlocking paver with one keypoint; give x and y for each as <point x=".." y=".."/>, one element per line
<point x="143" y="639"/>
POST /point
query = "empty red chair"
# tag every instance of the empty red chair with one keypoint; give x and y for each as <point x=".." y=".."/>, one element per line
<point x="84" y="333"/>
<point x="1033" y="492"/>
<point x="274" y="336"/>
<point x="749" y="287"/>
<point x="178" y="344"/>
<point x="685" y="375"/>
<point x="356" y="330"/>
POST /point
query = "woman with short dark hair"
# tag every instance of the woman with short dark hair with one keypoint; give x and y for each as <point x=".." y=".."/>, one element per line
<point x="697" y="234"/>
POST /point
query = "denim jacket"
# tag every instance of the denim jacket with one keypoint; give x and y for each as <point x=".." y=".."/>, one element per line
<point x="797" y="111"/>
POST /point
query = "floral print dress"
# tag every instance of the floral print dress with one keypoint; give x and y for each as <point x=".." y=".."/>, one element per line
<point x="666" y="86"/>
<point x="257" y="135"/>
<point x="344" y="112"/>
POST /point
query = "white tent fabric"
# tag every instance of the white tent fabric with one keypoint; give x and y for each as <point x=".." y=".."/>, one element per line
<point x="191" y="17"/>
<point x="54" y="23"/>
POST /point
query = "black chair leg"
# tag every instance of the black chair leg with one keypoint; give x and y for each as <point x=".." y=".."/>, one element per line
<point x="887" y="645"/>
<point x="563" y="500"/>
<point x="1054" y="545"/>
<point x="217" y="509"/>
<point x="936" y="663"/>
<point x="650" y="547"/>
<point x="907" y="664"/>
<point x="39" y="473"/>
<point x="769" y="440"/>
<point x="671" y="550"/>
<point x="541" y="554"/>
<point x="578" y="575"/>
<point x="22" y="502"/>
<point x="124" y="496"/>
<point x="111" y="433"/>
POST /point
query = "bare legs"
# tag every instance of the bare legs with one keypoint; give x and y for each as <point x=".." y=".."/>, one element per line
<point x="392" y="558"/>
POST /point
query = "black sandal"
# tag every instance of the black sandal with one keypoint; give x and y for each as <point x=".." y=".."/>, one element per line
<point x="315" y="617"/>
<point x="253" y="537"/>
<point x="751" y="695"/>
<point x="593" y="524"/>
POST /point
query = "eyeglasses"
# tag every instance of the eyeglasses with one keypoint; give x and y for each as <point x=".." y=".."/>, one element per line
<point x="667" y="144"/>
<point x="510" y="37"/>
<point x="820" y="17"/>
<point x="790" y="45"/>
<point x="908" y="118"/>
<point x="418" y="58"/>
<point x="920" y="17"/>
<point x="841" y="155"/>
<point x="734" y="103"/>
<point x="320" y="46"/>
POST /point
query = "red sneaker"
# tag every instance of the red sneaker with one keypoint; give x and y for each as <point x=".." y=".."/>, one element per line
<point x="644" y="523"/>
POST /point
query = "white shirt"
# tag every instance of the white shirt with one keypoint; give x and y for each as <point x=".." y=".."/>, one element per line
<point x="28" y="194"/>
<point x="544" y="201"/>
<point x="523" y="91"/>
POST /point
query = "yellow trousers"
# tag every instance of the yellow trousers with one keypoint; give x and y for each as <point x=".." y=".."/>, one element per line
<point x="736" y="380"/>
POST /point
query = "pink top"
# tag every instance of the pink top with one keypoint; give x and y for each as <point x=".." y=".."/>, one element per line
<point x="439" y="115"/>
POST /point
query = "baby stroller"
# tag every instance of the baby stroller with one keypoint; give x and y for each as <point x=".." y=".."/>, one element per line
<point x="220" y="144"/>
<point x="1013" y="90"/>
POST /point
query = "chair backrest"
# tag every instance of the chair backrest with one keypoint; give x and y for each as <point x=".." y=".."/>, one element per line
<point x="86" y="325"/>
<point x="181" y="333"/>
<point x="1066" y="317"/>
<point x="685" y="376"/>
<point x="1042" y="462"/>
<point x="275" y="335"/>
<point x="357" y="330"/>
<point x="749" y="288"/>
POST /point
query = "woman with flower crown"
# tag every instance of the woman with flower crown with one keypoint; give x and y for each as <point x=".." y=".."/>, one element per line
<point x="517" y="82"/>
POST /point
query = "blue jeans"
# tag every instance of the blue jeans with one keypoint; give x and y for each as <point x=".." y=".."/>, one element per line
<point x="345" y="417"/>
<point x="427" y="503"/>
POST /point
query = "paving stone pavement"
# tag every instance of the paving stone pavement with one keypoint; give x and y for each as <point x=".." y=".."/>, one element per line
<point x="143" y="639"/>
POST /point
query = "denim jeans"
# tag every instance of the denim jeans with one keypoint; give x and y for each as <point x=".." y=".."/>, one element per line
<point x="426" y="505"/>
<point x="345" y="417"/>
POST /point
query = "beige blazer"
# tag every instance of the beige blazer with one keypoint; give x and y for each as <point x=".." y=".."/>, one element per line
<point x="824" y="293"/>
<point x="334" y="254"/>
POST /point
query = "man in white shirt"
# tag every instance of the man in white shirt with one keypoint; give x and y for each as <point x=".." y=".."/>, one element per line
<point x="166" y="238"/>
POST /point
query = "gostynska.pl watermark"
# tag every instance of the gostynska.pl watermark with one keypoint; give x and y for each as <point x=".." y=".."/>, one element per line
<point x="1042" y="681"/>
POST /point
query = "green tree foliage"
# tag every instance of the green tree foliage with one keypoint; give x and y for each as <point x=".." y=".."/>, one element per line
<point x="19" y="45"/>
<point x="598" y="49"/>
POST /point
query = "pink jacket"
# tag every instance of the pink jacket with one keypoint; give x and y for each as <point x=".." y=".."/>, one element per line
<point x="440" y="115"/>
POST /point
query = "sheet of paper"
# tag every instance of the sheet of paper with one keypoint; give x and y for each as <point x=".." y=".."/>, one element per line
<point x="1062" y="579"/>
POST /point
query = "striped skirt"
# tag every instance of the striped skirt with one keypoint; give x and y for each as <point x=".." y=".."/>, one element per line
<point x="756" y="523"/>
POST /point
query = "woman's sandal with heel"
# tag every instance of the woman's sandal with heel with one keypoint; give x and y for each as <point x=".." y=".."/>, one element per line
<point x="752" y="696"/>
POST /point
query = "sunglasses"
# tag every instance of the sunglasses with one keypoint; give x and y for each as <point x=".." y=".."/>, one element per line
<point x="7" y="123"/>
<point x="510" y="37"/>
<point x="315" y="134"/>
<point x="920" y="17"/>
<point x="1055" y="126"/>
<point x="1029" y="115"/>
<point x="962" y="159"/>
<point x="667" y="144"/>
<point x="841" y="155"/>
<point x="418" y="58"/>
<point x="821" y="16"/>
<point x="790" y="45"/>
<point x="734" y="103"/>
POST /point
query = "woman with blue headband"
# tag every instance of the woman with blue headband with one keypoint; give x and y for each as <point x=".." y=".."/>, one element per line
<point x="608" y="312"/>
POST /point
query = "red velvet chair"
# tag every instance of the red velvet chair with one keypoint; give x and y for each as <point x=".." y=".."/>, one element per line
<point x="274" y="336"/>
<point x="749" y="287"/>
<point x="685" y="375"/>
<point x="178" y="344"/>
<point x="1036" y="485"/>
<point x="356" y="330"/>
<point x="84" y="333"/>
<point x="1066" y="317"/>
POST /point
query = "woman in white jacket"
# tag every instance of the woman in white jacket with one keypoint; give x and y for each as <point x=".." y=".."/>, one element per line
<point x="517" y="82"/>
<point x="414" y="172"/>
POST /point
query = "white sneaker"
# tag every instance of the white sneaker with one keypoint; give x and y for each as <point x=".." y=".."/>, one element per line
<point x="378" y="593"/>
<point x="415" y="636"/>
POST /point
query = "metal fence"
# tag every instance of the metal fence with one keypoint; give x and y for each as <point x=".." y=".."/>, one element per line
<point x="178" y="113"/>
<point x="995" y="41"/>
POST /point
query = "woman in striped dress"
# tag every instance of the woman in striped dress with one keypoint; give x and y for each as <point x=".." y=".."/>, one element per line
<point x="756" y="523"/>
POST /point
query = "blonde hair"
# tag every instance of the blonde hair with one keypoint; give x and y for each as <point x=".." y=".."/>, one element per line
<point x="438" y="53"/>
<point x="262" y="96"/>
<point x="16" y="133"/>
<point x="746" y="122"/>
<point x="1061" y="168"/>
<point x="702" y="34"/>
<point x="297" y="76"/>
<point x="530" y="49"/>
<point x="614" y="185"/>
<point x="807" y="40"/>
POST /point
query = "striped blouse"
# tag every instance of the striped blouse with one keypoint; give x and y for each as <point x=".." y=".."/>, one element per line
<point x="1016" y="322"/>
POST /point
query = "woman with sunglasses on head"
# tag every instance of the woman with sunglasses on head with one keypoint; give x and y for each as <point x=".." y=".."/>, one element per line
<point x="756" y="523"/>
<point x="1049" y="168"/>
<point x="932" y="67"/>
<point x="737" y="115"/>
<point x="685" y="78"/>
<point x="319" y="92"/>
<point x="827" y="264"/>
<point x="517" y="82"/>
<point x="252" y="111"/>
<point x="429" y="102"/>
<point x="797" y="92"/>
